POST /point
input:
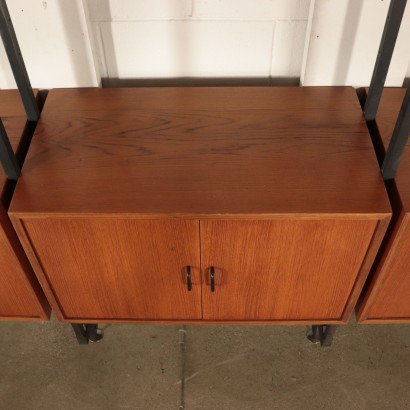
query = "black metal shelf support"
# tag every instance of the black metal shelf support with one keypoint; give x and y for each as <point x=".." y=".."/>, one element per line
<point x="7" y="157"/>
<point x="402" y="128"/>
<point x="398" y="140"/>
<point x="386" y="48"/>
<point x="18" y="67"/>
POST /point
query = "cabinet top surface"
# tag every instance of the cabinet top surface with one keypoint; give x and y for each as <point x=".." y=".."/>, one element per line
<point x="14" y="120"/>
<point x="201" y="152"/>
<point x="387" y="114"/>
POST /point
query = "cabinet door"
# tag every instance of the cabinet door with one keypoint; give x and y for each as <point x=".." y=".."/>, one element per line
<point x="113" y="268"/>
<point x="285" y="270"/>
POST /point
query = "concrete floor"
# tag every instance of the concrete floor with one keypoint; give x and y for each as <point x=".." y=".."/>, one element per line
<point x="153" y="367"/>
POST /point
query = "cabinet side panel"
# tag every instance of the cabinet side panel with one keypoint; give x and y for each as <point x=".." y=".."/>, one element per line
<point x="20" y="294"/>
<point x="282" y="270"/>
<point x="117" y="269"/>
<point x="388" y="297"/>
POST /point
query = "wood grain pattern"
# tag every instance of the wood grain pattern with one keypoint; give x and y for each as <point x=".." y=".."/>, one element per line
<point x="21" y="297"/>
<point x="207" y="152"/>
<point x="386" y="299"/>
<point x="281" y="270"/>
<point x="119" y="269"/>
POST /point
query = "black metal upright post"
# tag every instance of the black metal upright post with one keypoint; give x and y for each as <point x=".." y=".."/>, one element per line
<point x="388" y="41"/>
<point x="7" y="157"/>
<point x="18" y="67"/>
<point x="398" y="140"/>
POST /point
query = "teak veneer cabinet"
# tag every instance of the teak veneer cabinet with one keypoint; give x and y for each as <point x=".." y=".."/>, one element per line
<point x="132" y="199"/>
<point x="387" y="297"/>
<point x="21" y="297"/>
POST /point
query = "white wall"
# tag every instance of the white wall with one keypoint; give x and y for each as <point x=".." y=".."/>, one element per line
<point x="201" y="38"/>
<point x="344" y="40"/>
<point x="69" y="43"/>
<point x="55" y="44"/>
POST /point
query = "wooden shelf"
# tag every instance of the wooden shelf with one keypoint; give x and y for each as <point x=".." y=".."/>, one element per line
<point x="20" y="295"/>
<point x="202" y="152"/>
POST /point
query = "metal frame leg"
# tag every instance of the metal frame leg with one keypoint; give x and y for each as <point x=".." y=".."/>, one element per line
<point x="86" y="333"/>
<point x="322" y="334"/>
<point x="388" y="41"/>
<point x="18" y="67"/>
<point x="398" y="140"/>
<point x="7" y="158"/>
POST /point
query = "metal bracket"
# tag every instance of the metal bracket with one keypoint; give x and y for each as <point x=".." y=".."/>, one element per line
<point x="86" y="333"/>
<point x="386" y="48"/>
<point x="398" y="140"/>
<point x="7" y="157"/>
<point x="322" y="334"/>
